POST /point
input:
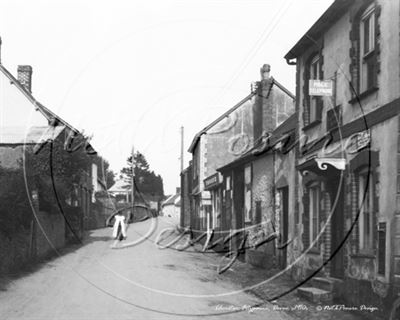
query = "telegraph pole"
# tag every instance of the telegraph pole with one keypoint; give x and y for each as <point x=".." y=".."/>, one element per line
<point x="182" y="160"/>
<point x="133" y="177"/>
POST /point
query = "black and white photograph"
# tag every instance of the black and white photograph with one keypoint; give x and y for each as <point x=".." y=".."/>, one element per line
<point x="200" y="159"/>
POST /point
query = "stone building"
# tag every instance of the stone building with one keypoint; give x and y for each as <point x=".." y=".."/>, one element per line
<point x="259" y="187"/>
<point x="186" y="198"/>
<point x="222" y="141"/>
<point x="348" y="217"/>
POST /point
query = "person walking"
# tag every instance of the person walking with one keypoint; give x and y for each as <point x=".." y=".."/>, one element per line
<point x="119" y="225"/>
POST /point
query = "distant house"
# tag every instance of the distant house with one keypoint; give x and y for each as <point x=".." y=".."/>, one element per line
<point x="186" y="197"/>
<point x="216" y="207"/>
<point x="263" y="192"/>
<point x="121" y="190"/>
<point x="219" y="143"/>
<point x="146" y="205"/>
<point x="172" y="206"/>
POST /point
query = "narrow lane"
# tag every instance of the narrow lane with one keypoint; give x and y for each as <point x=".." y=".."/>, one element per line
<point x="137" y="282"/>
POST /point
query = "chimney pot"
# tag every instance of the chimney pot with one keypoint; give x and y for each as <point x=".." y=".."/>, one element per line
<point x="264" y="71"/>
<point x="25" y="77"/>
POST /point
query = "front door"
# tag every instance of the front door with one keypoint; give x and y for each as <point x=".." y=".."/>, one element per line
<point x="284" y="206"/>
<point x="336" y="191"/>
<point x="238" y="206"/>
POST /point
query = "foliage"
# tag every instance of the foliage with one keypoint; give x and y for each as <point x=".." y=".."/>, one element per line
<point x="46" y="169"/>
<point x="147" y="182"/>
<point x="15" y="208"/>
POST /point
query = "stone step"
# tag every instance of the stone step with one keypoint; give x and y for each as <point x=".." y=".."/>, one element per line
<point x="332" y="285"/>
<point x="315" y="295"/>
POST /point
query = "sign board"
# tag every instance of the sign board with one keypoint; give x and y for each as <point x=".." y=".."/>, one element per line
<point x="211" y="181"/>
<point x="358" y="141"/>
<point x="320" y="88"/>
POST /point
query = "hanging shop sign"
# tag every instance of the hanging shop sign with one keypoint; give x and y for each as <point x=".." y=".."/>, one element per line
<point x="358" y="141"/>
<point x="211" y="181"/>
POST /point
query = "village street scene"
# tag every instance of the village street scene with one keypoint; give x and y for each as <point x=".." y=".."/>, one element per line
<point x="155" y="174"/>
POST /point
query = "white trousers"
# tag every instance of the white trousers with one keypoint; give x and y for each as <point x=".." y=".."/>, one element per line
<point x="119" y="221"/>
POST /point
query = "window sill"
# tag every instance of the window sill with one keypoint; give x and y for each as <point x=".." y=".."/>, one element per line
<point x="333" y="129"/>
<point x="314" y="250"/>
<point x="312" y="125"/>
<point x="363" y="95"/>
<point x="367" y="255"/>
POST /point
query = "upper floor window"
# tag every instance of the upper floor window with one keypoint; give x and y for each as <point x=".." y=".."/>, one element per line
<point x="315" y="101"/>
<point x="312" y="105"/>
<point x="364" y="53"/>
<point x="367" y="48"/>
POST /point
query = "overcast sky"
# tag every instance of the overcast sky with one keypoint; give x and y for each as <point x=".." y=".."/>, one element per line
<point x="134" y="72"/>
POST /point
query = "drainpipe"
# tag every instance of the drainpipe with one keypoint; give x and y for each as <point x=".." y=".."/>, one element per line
<point x="274" y="200"/>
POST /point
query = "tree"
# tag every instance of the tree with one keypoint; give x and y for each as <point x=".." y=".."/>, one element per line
<point x="104" y="173"/>
<point x="146" y="181"/>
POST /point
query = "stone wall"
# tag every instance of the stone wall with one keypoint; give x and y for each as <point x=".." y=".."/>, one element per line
<point x="14" y="251"/>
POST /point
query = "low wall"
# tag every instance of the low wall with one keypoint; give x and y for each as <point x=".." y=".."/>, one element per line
<point x="14" y="251"/>
<point x="28" y="244"/>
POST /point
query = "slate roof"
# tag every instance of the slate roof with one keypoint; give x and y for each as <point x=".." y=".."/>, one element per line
<point x="328" y="18"/>
<point x="175" y="199"/>
<point x="47" y="113"/>
<point x="34" y="135"/>
<point x="227" y="113"/>
<point x="285" y="130"/>
<point x="120" y="186"/>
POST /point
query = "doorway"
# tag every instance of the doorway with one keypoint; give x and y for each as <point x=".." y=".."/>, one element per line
<point x="238" y="208"/>
<point x="284" y="223"/>
<point x="336" y="192"/>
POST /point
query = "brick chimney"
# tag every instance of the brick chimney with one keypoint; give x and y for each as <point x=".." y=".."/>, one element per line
<point x="25" y="77"/>
<point x="264" y="108"/>
<point x="264" y="72"/>
<point x="178" y="190"/>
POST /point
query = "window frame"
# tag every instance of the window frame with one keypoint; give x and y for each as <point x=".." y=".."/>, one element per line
<point x="315" y="196"/>
<point x="366" y="58"/>
<point x="365" y="241"/>
<point x="313" y="70"/>
<point x="315" y="74"/>
<point x="248" y="197"/>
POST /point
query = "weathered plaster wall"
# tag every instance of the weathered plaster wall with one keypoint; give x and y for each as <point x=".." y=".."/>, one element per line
<point x="229" y="139"/>
<point x="383" y="140"/>
<point x="336" y="46"/>
<point x="262" y="190"/>
<point x="285" y="169"/>
<point x="11" y="157"/>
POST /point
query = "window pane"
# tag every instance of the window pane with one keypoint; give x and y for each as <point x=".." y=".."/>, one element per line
<point x="313" y="109"/>
<point x="314" y="213"/>
<point x="371" y="32"/>
<point x="366" y="198"/>
<point x="370" y="73"/>
<point x="366" y="34"/>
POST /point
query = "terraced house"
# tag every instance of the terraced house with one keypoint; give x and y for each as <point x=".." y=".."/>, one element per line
<point x="348" y="89"/>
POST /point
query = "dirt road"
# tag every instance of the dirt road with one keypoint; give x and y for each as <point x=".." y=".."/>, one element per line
<point x="138" y="282"/>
